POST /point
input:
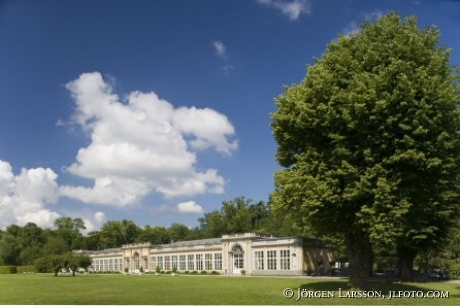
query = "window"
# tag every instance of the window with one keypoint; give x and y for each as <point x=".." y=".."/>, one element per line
<point x="285" y="262"/>
<point x="153" y="263"/>
<point x="160" y="263"/>
<point x="238" y="257"/>
<point x="217" y="261"/>
<point x="271" y="260"/>
<point x="174" y="262"/>
<point x="199" y="261"/>
<point x="259" y="257"/>
<point x="167" y="263"/>
<point x="136" y="261"/>
<point x="182" y="262"/>
<point x="208" y="261"/>
<point x="190" y="262"/>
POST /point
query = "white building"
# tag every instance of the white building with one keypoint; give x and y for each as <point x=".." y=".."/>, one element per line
<point x="254" y="253"/>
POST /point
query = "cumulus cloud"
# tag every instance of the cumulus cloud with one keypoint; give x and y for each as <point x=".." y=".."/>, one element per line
<point x="24" y="197"/>
<point x="93" y="220"/>
<point x="188" y="207"/>
<point x="144" y="145"/>
<point x="292" y="9"/>
<point x="220" y="48"/>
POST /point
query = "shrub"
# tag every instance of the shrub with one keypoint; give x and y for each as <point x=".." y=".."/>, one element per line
<point x="203" y="272"/>
<point x="8" y="270"/>
<point x="187" y="272"/>
<point x="454" y="271"/>
<point x="26" y="269"/>
<point x="215" y="273"/>
<point x="194" y="272"/>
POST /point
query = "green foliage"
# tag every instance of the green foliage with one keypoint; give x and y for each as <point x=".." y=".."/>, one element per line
<point x="235" y="216"/>
<point x="454" y="271"/>
<point x="369" y="140"/>
<point x="9" y="248"/>
<point x="26" y="269"/>
<point x="8" y="270"/>
<point x="69" y="229"/>
<point x="116" y="233"/>
<point x="54" y="263"/>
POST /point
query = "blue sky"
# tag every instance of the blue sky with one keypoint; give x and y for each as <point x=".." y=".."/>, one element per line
<point x="157" y="111"/>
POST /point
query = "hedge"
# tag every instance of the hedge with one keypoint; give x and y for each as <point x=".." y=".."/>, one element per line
<point x="8" y="269"/>
<point x="26" y="269"/>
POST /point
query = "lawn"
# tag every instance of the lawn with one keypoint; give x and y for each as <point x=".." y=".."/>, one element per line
<point x="166" y="289"/>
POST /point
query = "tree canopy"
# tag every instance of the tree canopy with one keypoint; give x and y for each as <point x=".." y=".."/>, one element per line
<point x="370" y="143"/>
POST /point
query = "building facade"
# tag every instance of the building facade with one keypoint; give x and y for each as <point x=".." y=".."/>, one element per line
<point x="231" y="254"/>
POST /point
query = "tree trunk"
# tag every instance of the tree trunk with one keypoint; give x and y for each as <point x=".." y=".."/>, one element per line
<point x="406" y="259"/>
<point x="361" y="258"/>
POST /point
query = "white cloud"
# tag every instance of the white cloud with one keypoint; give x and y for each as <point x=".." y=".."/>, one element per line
<point x="292" y="9"/>
<point x="142" y="146"/>
<point x="23" y="197"/>
<point x="99" y="216"/>
<point x="189" y="207"/>
<point x="220" y="48"/>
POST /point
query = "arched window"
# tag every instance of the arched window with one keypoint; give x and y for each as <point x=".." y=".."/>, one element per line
<point x="238" y="257"/>
<point x="136" y="261"/>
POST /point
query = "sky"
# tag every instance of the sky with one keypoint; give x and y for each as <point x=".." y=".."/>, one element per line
<point x="158" y="111"/>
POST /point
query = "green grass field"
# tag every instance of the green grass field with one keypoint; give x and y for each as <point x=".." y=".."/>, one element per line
<point x="166" y="289"/>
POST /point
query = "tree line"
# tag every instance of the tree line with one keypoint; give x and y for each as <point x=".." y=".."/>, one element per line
<point x="23" y="245"/>
<point x="50" y="249"/>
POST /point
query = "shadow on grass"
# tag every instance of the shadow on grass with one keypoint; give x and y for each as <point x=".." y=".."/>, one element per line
<point x="385" y="286"/>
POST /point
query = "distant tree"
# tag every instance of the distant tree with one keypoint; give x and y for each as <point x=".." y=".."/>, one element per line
<point x="32" y="235"/>
<point x="116" y="233"/>
<point x="74" y="261"/>
<point x="55" y="245"/>
<point x="259" y="213"/>
<point x="236" y="216"/>
<point x="92" y="241"/>
<point x="56" y="263"/>
<point x="28" y="255"/>
<point x="69" y="229"/>
<point x="9" y="249"/>
<point x="370" y="144"/>
<point x="178" y="232"/>
<point x="211" y="224"/>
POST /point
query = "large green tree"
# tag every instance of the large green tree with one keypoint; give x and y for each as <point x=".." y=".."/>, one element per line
<point x="370" y="143"/>
<point x="69" y="230"/>
<point x="116" y="233"/>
